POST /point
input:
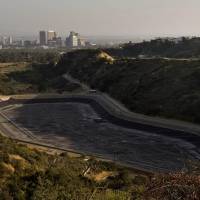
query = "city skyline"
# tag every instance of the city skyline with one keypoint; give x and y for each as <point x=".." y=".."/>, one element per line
<point x="42" y="38"/>
<point x="48" y="39"/>
<point x="124" y="18"/>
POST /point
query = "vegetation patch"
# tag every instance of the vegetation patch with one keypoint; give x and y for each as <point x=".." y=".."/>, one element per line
<point x="52" y="176"/>
<point x="33" y="78"/>
<point x="58" y="176"/>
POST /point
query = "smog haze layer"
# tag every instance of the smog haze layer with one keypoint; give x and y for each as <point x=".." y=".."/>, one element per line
<point x="101" y="18"/>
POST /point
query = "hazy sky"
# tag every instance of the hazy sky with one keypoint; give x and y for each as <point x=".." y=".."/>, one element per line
<point x="101" y="17"/>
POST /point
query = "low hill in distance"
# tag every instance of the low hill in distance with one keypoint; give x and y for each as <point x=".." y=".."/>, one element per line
<point x="29" y="55"/>
<point x="161" y="47"/>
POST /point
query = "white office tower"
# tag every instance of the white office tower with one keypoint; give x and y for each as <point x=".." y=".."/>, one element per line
<point x="81" y="42"/>
<point x="72" y="40"/>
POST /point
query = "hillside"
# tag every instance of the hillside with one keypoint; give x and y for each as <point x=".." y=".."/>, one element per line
<point x="31" y="173"/>
<point x="23" y="78"/>
<point x="157" y="87"/>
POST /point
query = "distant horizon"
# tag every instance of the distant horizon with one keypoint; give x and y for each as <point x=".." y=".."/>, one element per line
<point x="66" y="33"/>
<point x="102" y="39"/>
<point x="95" y="36"/>
<point x="152" y="18"/>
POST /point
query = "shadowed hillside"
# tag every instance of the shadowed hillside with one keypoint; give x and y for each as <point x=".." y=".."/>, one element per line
<point x="158" y="87"/>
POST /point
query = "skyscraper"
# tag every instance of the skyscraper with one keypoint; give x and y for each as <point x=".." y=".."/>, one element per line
<point x="4" y="41"/>
<point x="43" y="38"/>
<point x="72" y="40"/>
<point x="59" y="41"/>
<point x="51" y="35"/>
<point x="81" y="42"/>
<point x="10" y="40"/>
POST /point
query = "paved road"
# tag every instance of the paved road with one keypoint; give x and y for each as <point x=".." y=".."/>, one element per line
<point x="82" y="124"/>
<point x="121" y="111"/>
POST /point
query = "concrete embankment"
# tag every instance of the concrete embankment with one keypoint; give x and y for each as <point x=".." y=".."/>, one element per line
<point x="113" y="117"/>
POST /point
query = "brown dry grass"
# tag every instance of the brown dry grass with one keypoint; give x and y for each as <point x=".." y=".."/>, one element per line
<point x="102" y="176"/>
<point x="44" y="149"/>
<point x="18" y="161"/>
<point x="13" y="157"/>
<point x="6" y="169"/>
<point x="174" y="186"/>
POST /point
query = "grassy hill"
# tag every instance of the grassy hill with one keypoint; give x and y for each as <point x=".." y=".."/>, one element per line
<point x="28" y="173"/>
<point x="23" y="78"/>
<point x="157" y="87"/>
<point x="31" y="71"/>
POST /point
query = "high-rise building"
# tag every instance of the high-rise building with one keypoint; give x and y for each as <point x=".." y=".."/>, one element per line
<point x="81" y="42"/>
<point x="1" y="40"/>
<point x="59" y="41"/>
<point x="4" y="41"/>
<point x="43" y="37"/>
<point x="72" y="40"/>
<point x="21" y="43"/>
<point x="9" y="40"/>
<point x="51" y="35"/>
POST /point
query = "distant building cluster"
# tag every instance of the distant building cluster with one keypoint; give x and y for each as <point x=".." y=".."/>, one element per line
<point x="74" y="40"/>
<point x="5" y="41"/>
<point x="9" y="42"/>
<point x="47" y="39"/>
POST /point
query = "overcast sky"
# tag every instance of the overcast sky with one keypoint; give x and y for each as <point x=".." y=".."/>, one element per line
<point x="101" y="17"/>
